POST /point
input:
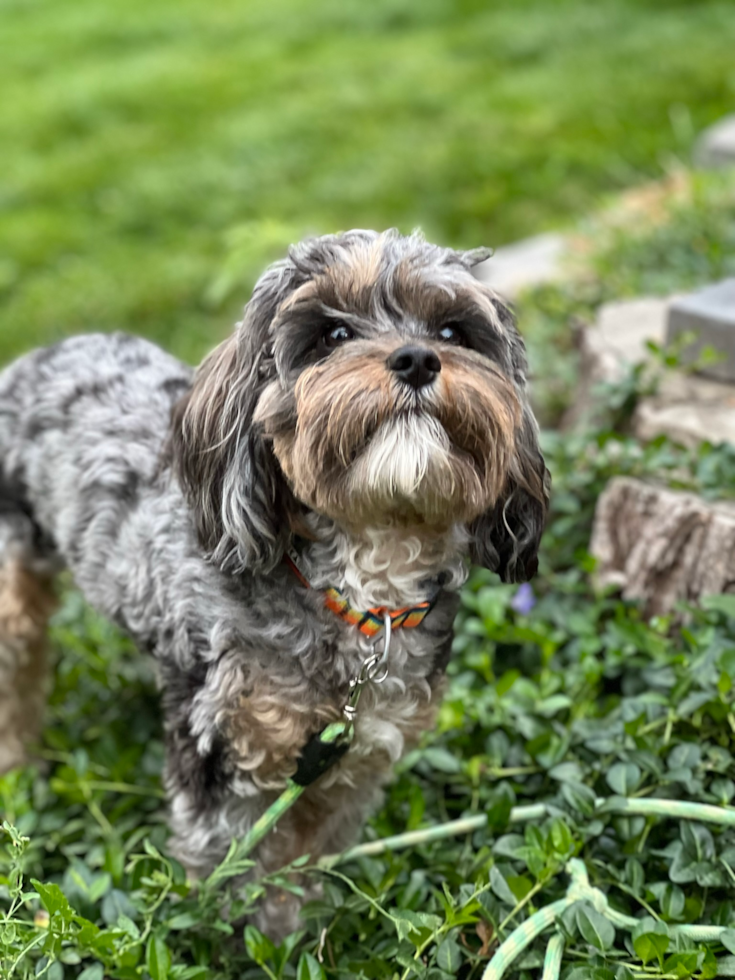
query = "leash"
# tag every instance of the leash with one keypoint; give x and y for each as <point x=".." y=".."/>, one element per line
<point x="324" y="749"/>
<point x="327" y="747"/>
<point x="319" y="755"/>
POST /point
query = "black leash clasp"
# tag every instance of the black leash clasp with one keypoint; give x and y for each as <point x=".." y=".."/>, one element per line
<point x="318" y="757"/>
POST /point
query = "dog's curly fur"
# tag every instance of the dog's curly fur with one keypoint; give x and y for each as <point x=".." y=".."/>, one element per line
<point x="171" y="496"/>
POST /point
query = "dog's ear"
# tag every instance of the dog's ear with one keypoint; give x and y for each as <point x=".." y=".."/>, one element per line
<point x="506" y="538"/>
<point x="232" y="481"/>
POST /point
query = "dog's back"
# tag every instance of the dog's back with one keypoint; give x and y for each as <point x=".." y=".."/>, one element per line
<point x="81" y="428"/>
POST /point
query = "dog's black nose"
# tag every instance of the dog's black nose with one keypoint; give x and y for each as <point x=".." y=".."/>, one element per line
<point x="417" y="366"/>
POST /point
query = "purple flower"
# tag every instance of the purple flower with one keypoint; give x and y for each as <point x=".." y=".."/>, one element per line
<point x="524" y="600"/>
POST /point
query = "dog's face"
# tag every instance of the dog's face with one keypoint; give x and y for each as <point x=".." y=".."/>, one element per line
<point x="392" y="396"/>
<point x="375" y="381"/>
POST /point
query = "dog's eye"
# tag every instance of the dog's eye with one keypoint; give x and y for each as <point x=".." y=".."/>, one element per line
<point x="452" y="333"/>
<point x="336" y="336"/>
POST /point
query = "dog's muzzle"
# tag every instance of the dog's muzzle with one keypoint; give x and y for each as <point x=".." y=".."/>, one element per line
<point x="415" y="366"/>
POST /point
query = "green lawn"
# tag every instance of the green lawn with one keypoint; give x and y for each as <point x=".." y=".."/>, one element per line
<point x="135" y="136"/>
<point x="153" y="158"/>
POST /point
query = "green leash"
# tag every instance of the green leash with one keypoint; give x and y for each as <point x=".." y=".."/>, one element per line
<point x="324" y="749"/>
<point x="320" y="754"/>
<point x="579" y="890"/>
<point x="328" y="747"/>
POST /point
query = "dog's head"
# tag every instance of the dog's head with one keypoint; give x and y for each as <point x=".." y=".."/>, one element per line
<point x="374" y="380"/>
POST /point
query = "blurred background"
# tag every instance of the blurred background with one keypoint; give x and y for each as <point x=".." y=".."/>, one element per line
<point x="157" y="154"/>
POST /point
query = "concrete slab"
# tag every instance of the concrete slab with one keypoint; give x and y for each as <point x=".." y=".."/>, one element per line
<point x="618" y="339"/>
<point x="710" y="314"/>
<point x="609" y="347"/>
<point x="524" y="264"/>
<point x="688" y="409"/>
<point x="716" y="145"/>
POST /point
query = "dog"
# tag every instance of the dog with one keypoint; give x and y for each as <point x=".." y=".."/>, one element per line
<point x="323" y="479"/>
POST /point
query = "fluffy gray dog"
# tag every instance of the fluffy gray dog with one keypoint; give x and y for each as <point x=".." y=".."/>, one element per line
<point x="261" y="524"/>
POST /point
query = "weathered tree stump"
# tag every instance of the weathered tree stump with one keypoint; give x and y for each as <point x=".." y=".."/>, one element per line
<point x="661" y="545"/>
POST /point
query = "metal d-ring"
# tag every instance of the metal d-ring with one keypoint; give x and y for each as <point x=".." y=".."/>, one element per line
<point x="370" y="670"/>
<point x="377" y="661"/>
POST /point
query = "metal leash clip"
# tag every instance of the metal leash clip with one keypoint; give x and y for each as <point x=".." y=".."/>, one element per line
<point x="374" y="669"/>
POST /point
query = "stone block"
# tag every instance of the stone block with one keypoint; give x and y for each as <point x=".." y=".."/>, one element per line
<point x="618" y="338"/>
<point x="662" y="546"/>
<point x="688" y="409"/>
<point x="716" y="145"/>
<point x="524" y="264"/>
<point x="710" y="314"/>
<point x="610" y="346"/>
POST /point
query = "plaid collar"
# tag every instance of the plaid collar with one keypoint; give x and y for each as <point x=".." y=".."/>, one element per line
<point x="370" y="621"/>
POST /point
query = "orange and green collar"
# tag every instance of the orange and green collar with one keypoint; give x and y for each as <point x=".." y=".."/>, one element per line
<point x="371" y="621"/>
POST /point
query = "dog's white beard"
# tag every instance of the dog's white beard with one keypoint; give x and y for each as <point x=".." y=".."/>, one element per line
<point x="408" y="459"/>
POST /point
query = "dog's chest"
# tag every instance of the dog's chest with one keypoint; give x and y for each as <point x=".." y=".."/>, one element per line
<point x="387" y="570"/>
<point x="393" y="710"/>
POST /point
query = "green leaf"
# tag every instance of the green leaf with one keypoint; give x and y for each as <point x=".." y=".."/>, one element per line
<point x="567" y="772"/>
<point x="579" y="797"/>
<point x="54" y="900"/>
<point x="309" y="968"/>
<point x="623" y="973"/>
<point x="681" y="964"/>
<point x="260" y="948"/>
<point x="500" y="804"/>
<point x="590" y="973"/>
<point x="509" y="845"/>
<point x="520" y="885"/>
<point x="501" y="887"/>
<point x="128" y="926"/>
<point x="634" y="875"/>
<point x="670" y="898"/>
<point x="449" y="956"/>
<point x="184" y="920"/>
<point x="595" y="928"/>
<point x="697" y="840"/>
<point x="115" y="904"/>
<point x="728" y="940"/>
<point x="100" y="886"/>
<point x="686" y="755"/>
<point x="416" y="926"/>
<point x="623" y="778"/>
<point x="157" y="958"/>
<point x="153" y="852"/>
<point x="724" y="604"/>
<point x="561" y="837"/>
<point x="442" y="760"/>
<point x="651" y="945"/>
<point x="94" y="972"/>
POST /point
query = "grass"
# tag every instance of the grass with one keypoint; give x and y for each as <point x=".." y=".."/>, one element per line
<point x="137" y="136"/>
<point x="155" y="156"/>
<point x="575" y="698"/>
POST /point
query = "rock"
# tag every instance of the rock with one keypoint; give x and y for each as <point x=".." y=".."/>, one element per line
<point x="524" y="264"/>
<point x="716" y="145"/>
<point x="662" y="546"/>
<point x="710" y="314"/>
<point x="689" y="410"/>
<point x="618" y="339"/>
<point x="611" y="346"/>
